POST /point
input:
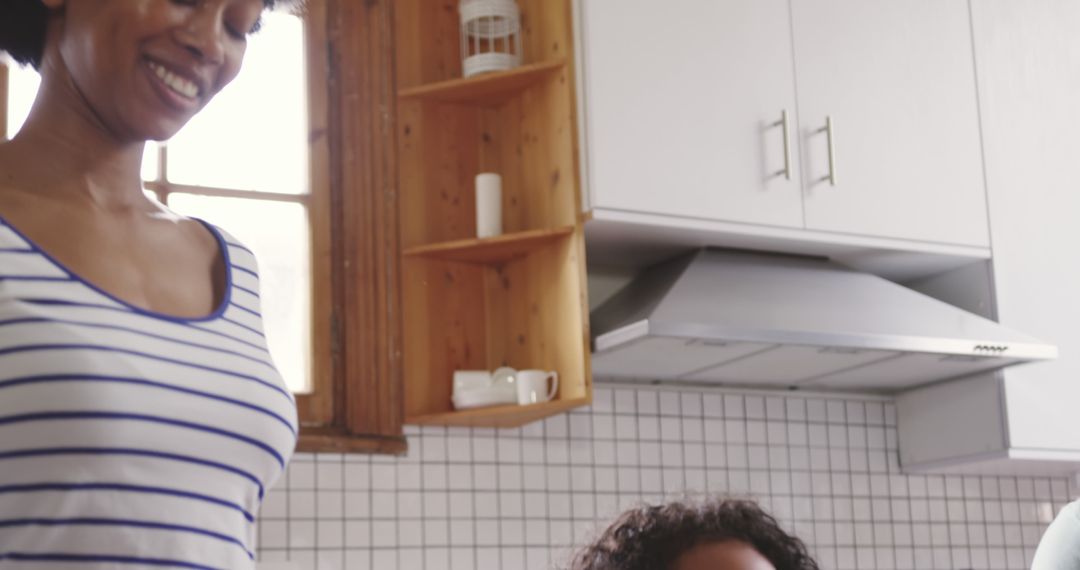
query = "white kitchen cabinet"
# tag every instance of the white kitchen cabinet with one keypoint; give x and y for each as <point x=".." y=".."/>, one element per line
<point x="896" y="79"/>
<point x="685" y="103"/>
<point x="681" y="112"/>
<point x="1028" y="61"/>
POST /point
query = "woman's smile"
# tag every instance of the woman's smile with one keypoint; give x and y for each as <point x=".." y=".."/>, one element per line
<point x="178" y="92"/>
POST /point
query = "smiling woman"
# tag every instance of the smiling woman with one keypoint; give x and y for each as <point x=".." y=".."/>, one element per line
<point x="199" y="172"/>
<point x="307" y="191"/>
<point x="142" y="416"/>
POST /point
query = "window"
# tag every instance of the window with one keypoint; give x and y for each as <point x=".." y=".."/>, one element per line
<point x="22" y="87"/>
<point x="300" y="176"/>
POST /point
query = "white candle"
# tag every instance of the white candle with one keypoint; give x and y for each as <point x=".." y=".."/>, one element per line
<point x="488" y="204"/>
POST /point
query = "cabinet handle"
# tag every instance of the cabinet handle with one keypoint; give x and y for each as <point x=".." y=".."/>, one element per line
<point x="830" y="133"/>
<point x="783" y="124"/>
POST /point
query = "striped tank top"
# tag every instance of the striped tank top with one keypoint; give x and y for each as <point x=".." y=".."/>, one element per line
<point x="131" y="439"/>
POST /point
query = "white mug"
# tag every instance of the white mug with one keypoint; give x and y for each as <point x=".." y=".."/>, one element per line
<point x="532" y="386"/>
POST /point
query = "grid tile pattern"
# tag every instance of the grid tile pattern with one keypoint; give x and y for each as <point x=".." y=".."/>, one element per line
<point x="826" y="466"/>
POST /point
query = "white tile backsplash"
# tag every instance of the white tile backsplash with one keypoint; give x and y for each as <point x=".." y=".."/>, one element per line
<point x="524" y="499"/>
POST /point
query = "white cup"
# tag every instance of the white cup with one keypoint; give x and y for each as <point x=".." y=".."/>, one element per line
<point x="465" y="380"/>
<point x="532" y="386"/>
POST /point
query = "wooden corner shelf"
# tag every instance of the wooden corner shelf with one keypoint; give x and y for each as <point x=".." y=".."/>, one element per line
<point x="487" y="89"/>
<point x="519" y="299"/>
<point x="510" y="416"/>
<point x="491" y="250"/>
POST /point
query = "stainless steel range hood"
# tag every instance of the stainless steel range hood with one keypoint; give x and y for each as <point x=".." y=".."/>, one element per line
<point x="759" y="319"/>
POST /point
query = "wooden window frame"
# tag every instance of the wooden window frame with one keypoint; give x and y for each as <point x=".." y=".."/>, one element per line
<point x="357" y="401"/>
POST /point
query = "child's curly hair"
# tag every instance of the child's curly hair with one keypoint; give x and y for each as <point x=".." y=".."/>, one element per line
<point x="654" y="537"/>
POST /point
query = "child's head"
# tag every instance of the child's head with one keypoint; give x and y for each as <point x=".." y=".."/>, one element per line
<point x="712" y="535"/>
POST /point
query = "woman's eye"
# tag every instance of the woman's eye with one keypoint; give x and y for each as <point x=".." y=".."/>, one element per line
<point x="186" y="2"/>
<point x="234" y="32"/>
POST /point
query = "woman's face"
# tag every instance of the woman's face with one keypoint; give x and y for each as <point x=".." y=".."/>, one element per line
<point x="146" y="67"/>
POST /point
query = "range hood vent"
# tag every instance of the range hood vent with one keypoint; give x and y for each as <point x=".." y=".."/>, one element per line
<point x="759" y="319"/>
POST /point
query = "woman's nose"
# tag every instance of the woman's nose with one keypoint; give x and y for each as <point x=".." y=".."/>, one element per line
<point x="203" y="35"/>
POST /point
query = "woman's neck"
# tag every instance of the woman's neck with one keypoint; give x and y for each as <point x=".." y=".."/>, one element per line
<point x="66" y="152"/>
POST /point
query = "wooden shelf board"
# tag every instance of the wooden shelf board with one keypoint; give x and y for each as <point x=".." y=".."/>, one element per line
<point x="499" y="416"/>
<point x="491" y="250"/>
<point x="486" y="89"/>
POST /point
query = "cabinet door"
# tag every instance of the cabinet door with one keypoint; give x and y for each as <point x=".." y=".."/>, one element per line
<point x="683" y="102"/>
<point x="1028" y="56"/>
<point x="897" y="79"/>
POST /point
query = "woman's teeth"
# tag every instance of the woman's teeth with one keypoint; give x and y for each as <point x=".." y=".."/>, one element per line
<point x="178" y="84"/>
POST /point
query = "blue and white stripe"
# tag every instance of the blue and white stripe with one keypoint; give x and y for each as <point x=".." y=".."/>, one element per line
<point x="128" y="438"/>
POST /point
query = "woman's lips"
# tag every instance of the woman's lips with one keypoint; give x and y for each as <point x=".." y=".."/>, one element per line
<point x="178" y="92"/>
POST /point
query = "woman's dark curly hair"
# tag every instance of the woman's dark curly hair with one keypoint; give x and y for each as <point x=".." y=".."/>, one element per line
<point x="22" y="28"/>
<point x="654" y="537"/>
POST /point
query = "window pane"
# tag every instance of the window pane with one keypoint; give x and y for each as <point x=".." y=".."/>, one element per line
<point x="278" y="233"/>
<point x="253" y="135"/>
<point x="22" y="88"/>
<point x="150" y="161"/>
